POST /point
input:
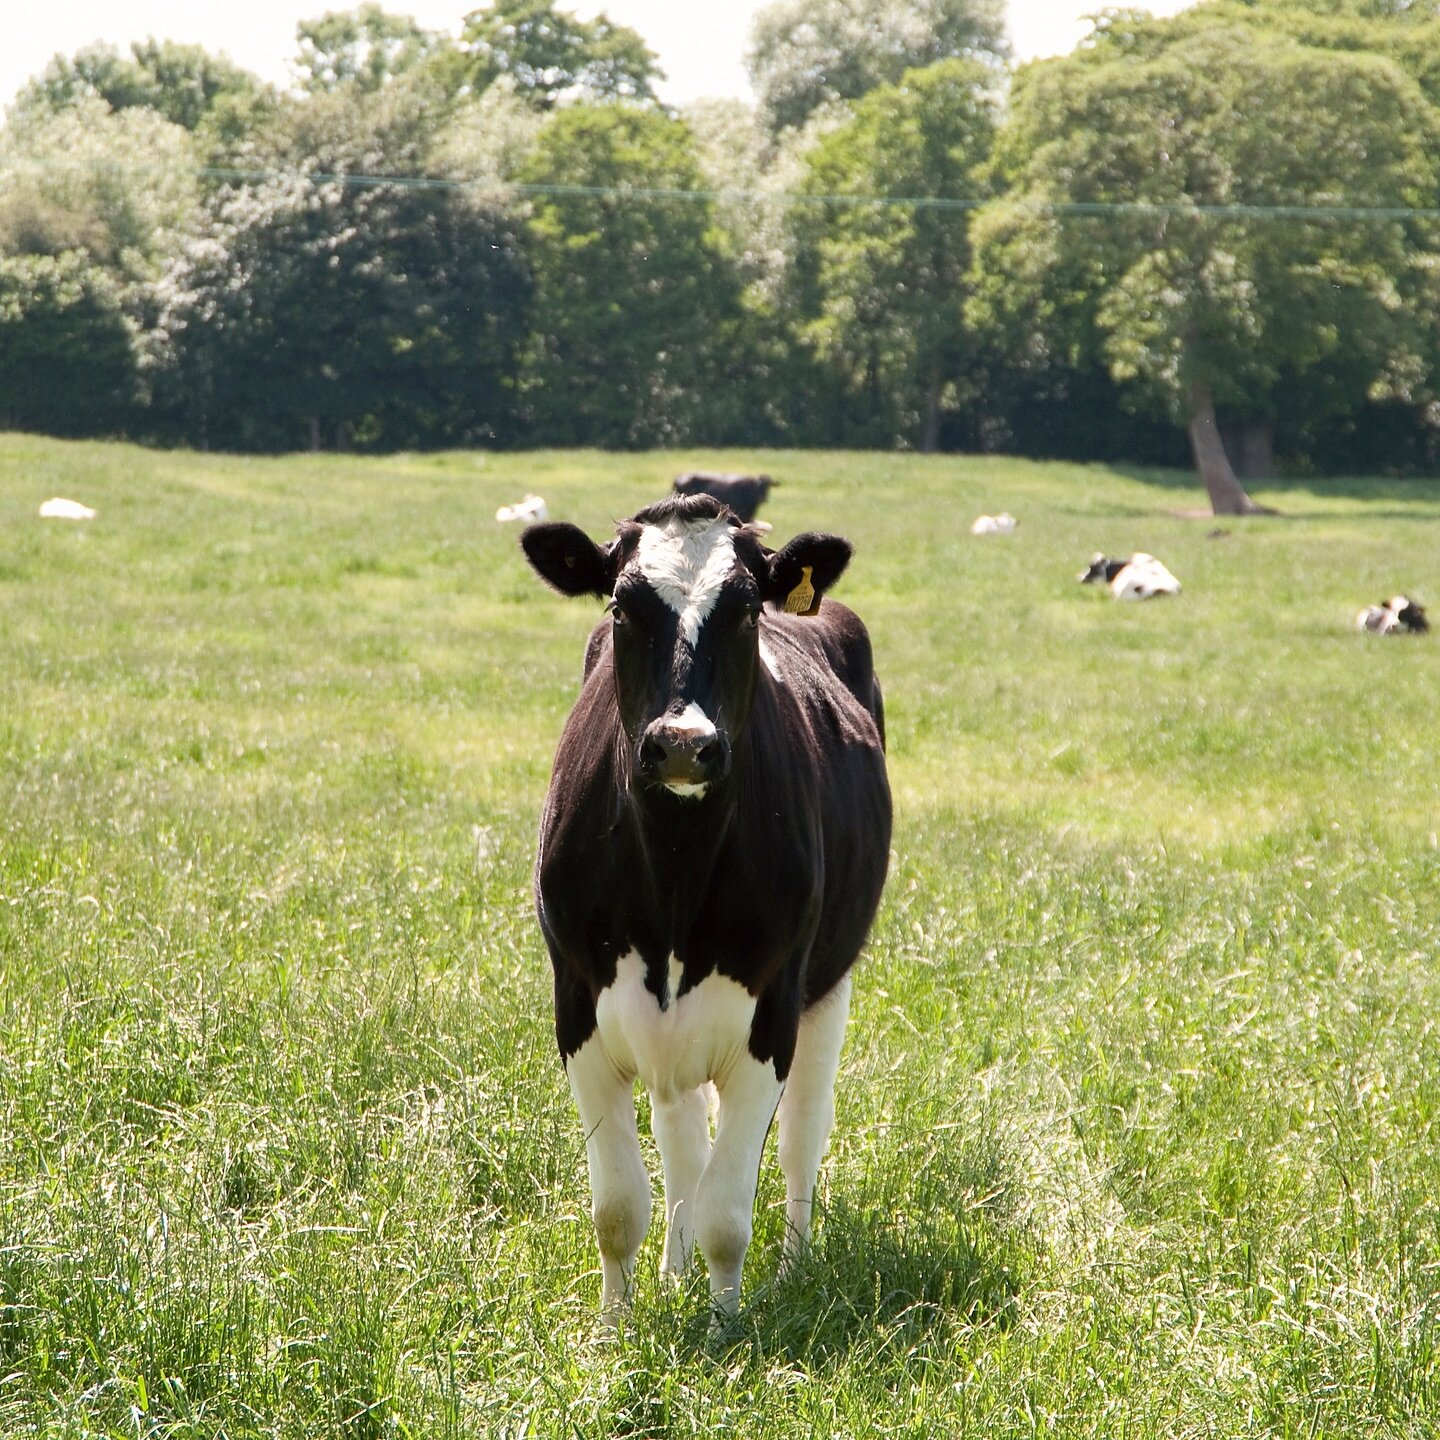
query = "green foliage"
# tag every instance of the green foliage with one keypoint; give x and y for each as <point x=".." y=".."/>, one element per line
<point x="549" y="55"/>
<point x="1408" y="34"/>
<point x="370" y="313"/>
<point x="806" y="54"/>
<point x="118" y="185"/>
<point x="635" y="301"/>
<point x="751" y="315"/>
<point x="53" y="309"/>
<point x="880" y="289"/>
<point x="184" y="83"/>
<point x="1255" y="306"/>
<point x="366" y="47"/>
<point x="1138" y="1107"/>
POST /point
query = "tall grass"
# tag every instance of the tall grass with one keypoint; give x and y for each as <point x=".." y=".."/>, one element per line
<point x="1137" y="1111"/>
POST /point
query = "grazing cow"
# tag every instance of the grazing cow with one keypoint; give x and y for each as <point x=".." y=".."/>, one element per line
<point x="1001" y="524"/>
<point x="1141" y="577"/>
<point x="744" y="494"/>
<point x="712" y="851"/>
<point x="531" y="510"/>
<point x="1397" y="616"/>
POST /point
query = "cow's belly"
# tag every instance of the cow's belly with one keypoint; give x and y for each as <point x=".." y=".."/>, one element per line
<point x="696" y="1038"/>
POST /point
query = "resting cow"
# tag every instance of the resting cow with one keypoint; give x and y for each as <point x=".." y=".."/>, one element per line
<point x="712" y="851"/>
<point x="1399" y="615"/>
<point x="1141" y="577"/>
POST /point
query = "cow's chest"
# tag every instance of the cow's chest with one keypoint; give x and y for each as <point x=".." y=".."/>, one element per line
<point x="693" y="1038"/>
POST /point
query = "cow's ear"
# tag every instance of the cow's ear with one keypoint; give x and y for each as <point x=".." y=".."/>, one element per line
<point x="804" y="570"/>
<point x="564" y="556"/>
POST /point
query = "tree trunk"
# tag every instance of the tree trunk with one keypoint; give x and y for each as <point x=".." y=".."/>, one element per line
<point x="314" y="434"/>
<point x="930" y="434"/>
<point x="1227" y="495"/>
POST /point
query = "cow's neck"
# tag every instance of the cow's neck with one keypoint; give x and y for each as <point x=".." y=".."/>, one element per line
<point x="680" y="841"/>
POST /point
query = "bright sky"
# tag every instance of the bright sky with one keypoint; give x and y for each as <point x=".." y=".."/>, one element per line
<point x="699" y="42"/>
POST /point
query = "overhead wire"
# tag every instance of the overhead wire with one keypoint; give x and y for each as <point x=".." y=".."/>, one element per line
<point x="1324" y="210"/>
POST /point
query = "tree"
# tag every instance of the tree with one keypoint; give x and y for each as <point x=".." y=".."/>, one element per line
<point x="549" y="55"/>
<point x="345" y="309"/>
<point x="635" y="303"/>
<point x="881" y="285"/>
<point x="67" y="353"/>
<point x="805" y="54"/>
<point x="365" y="47"/>
<point x="1212" y="271"/>
<point x="181" y="82"/>
<point x="118" y="186"/>
<point x="1407" y="33"/>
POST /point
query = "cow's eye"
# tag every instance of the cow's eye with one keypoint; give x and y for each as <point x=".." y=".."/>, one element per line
<point x="618" y="615"/>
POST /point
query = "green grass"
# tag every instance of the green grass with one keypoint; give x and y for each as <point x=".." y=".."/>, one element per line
<point x="1138" y="1110"/>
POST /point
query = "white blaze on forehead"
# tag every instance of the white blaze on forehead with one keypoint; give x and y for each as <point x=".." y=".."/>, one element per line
<point x="687" y="564"/>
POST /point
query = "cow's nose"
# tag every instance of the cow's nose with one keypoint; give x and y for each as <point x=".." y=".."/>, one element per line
<point x="684" y="750"/>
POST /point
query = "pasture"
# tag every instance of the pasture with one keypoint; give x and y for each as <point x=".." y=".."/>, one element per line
<point x="1137" y="1114"/>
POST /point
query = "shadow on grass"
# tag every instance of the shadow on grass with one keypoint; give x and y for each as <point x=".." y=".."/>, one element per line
<point x="869" y="1285"/>
<point x="872" y="1279"/>
<point x="1276" y="490"/>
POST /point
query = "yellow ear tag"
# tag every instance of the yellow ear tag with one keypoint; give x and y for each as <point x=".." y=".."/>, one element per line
<point x="802" y="600"/>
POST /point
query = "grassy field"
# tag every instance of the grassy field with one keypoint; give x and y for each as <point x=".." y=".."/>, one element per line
<point x="1138" y="1112"/>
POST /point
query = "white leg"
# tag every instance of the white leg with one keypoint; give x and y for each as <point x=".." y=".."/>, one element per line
<point x="725" y="1197"/>
<point x="682" y="1131"/>
<point x="619" y="1186"/>
<point x="807" y="1110"/>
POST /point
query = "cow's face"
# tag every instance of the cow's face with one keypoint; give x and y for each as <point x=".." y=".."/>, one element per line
<point x="685" y="584"/>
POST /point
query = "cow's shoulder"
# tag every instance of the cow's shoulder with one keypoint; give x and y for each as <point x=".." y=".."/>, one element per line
<point x="825" y="659"/>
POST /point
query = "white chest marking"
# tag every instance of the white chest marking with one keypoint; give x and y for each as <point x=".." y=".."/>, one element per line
<point x="697" y="1037"/>
<point x="687" y="564"/>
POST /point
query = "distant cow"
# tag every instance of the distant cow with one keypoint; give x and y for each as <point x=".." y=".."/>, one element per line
<point x="712" y="851"/>
<point x="1397" y="616"/>
<point x="744" y="494"/>
<point x="1001" y="524"/>
<point x="531" y="509"/>
<point x="61" y="509"/>
<point x="1141" y="577"/>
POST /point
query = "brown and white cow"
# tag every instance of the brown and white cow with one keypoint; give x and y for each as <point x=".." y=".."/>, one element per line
<point x="712" y="851"/>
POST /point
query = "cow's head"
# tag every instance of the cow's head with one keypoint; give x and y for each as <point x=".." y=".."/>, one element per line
<point x="1101" y="570"/>
<point x="685" y="582"/>
<point x="1408" y="613"/>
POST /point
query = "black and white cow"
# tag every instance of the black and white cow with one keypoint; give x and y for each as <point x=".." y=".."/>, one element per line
<point x="744" y="494"/>
<point x="1399" y="615"/>
<point x="712" y="851"/>
<point x="1140" y="577"/>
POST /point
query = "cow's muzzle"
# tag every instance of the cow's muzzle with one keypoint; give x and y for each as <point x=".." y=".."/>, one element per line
<point x="685" y="753"/>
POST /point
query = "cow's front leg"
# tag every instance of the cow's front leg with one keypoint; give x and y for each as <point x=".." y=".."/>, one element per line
<point x="619" y="1186"/>
<point x="725" y="1198"/>
<point x="682" y="1131"/>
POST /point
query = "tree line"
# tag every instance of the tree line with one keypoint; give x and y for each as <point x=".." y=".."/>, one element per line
<point x="1214" y="235"/>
